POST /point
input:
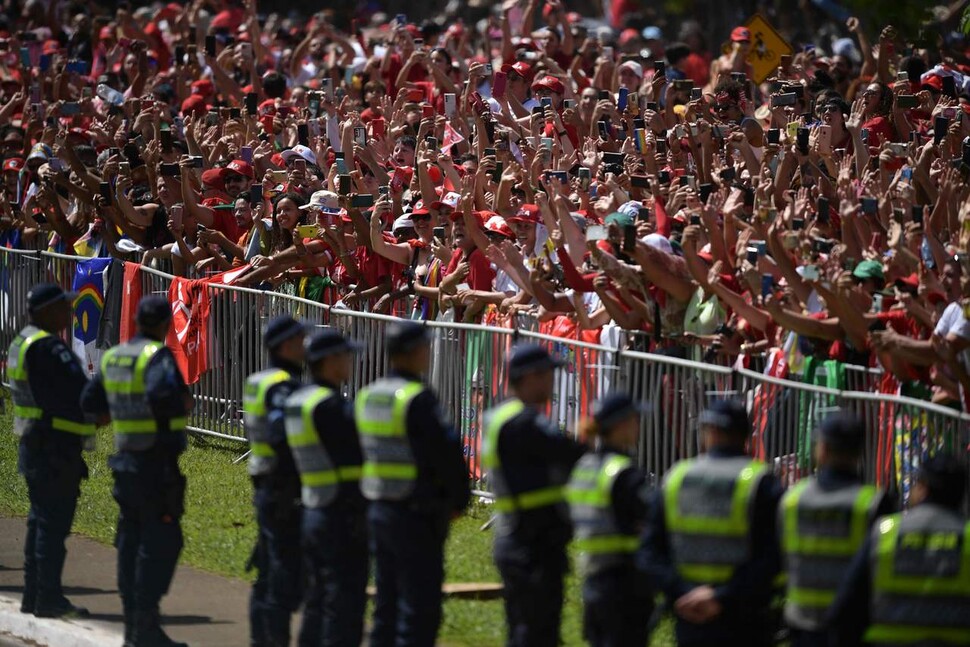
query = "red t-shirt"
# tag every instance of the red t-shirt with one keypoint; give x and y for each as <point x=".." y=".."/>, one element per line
<point x="480" y="273"/>
<point x="880" y="130"/>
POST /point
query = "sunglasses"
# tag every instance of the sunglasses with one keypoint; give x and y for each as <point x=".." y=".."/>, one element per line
<point x="415" y="217"/>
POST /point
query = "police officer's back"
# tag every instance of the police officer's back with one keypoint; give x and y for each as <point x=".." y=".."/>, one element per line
<point x="322" y="435"/>
<point x="277" y="591"/>
<point x="46" y="381"/>
<point x="608" y="507"/>
<point x="142" y="390"/>
<point x="528" y="462"/>
<point x="711" y="544"/>
<point x="416" y="481"/>
<point x="910" y="582"/>
<point x="823" y="521"/>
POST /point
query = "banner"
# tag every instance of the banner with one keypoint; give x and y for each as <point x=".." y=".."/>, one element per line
<point x="130" y="296"/>
<point x="89" y="282"/>
<point x="114" y="286"/>
<point x="188" y="337"/>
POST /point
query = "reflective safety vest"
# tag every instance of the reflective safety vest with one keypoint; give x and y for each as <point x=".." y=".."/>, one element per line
<point x="319" y="476"/>
<point x="123" y="372"/>
<point x="920" y="579"/>
<point x="262" y="458"/>
<point x="707" y="510"/>
<point x="821" y="532"/>
<point x="26" y="413"/>
<point x="505" y="499"/>
<point x="590" y="494"/>
<point x="381" y="410"/>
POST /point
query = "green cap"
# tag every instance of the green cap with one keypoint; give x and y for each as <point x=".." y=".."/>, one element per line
<point x="619" y="219"/>
<point x="869" y="270"/>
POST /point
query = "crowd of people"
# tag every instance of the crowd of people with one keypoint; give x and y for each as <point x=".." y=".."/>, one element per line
<point x="533" y="162"/>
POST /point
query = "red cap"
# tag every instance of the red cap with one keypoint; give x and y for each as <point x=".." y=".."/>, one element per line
<point x="497" y="225"/>
<point x="229" y="19"/>
<point x="213" y="178"/>
<point x="551" y="83"/>
<point x="527" y="213"/>
<point x="911" y="281"/>
<point x="741" y="35"/>
<point x="13" y="164"/>
<point x="195" y="104"/>
<point x="51" y="47"/>
<point x="240" y="167"/>
<point x="627" y="35"/>
<point x="204" y="87"/>
<point x="419" y="209"/>
<point x="521" y="68"/>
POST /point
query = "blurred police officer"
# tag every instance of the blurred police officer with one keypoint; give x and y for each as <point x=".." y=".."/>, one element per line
<point x="529" y="461"/>
<point x="711" y="544"/>
<point x="416" y="481"/>
<point x="142" y="389"/>
<point x="608" y="507"/>
<point x="322" y="435"/>
<point x="909" y="584"/>
<point x="276" y="483"/>
<point x="823" y="521"/>
<point x="46" y="381"/>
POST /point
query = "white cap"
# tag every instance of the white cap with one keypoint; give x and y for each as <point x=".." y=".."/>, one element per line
<point x="326" y="201"/>
<point x="634" y="67"/>
<point x="300" y="151"/>
<point x="402" y="222"/>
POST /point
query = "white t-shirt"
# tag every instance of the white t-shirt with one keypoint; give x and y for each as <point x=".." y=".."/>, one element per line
<point x="952" y="322"/>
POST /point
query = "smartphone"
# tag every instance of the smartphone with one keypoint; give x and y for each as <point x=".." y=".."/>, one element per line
<point x="303" y="134"/>
<point x="797" y="224"/>
<point x="801" y="139"/>
<point x="907" y="101"/>
<point x="439" y="233"/>
<point x="489" y="152"/>
<point x="360" y="136"/>
<point x="343" y="184"/>
<point x="870" y="206"/>
<point x="664" y="177"/>
<point x="877" y="302"/>
<point x="705" y="192"/>
<point x="169" y="170"/>
<point x="629" y="238"/>
<point x="767" y="284"/>
<point x="497" y="173"/>
<point x="451" y="101"/>
<point x="824" y="139"/>
<point x="643" y="214"/>
<point x="377" y="127"/>
<point x="640" y="181"/>
<point x="694" y="219"/>
<point x="499" y="83"/>
<point x="432" y="142"/>
<point x="277" y="177"/>
<point x="362" y="201"/>
<point x="822" y="211"/>
<point x="898" y="150"/>
<point x="308" y="231"/>
<point x="940" y="126"/>
<point x="916" y="212"/>
<point x="70" y="109"/>
<point x="210" y="46"/>
<point x="864" y="135"/>
<point x="949" y="87"/>
<point x="596" y="232"/>
<point x="810" y="273"/>
<point x="604" y="131"/>
<point x="123" y="167"/>
<point x="25" y="61"/>
<point x="166" y="138"/>
<point x="751" y="254"/>
<point x="251" y="99"/>
<point x="728" y="174"/>
<point x="176" y="213"/>
<point x="255" y="194"/>
<point x="568" y="103"/>
<point x="695" y="94"/>
<point x="197" y="161"/>
<point x="621" y="99"/>
<point x="341" y="164"/>
<point x="104" y="188"/>
<point x="585" y="178"/>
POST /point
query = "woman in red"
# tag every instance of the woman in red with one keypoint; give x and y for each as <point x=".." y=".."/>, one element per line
<point x="878" y="114"/>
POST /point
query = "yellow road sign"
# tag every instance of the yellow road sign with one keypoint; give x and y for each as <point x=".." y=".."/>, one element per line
<point x="767" y="48"/>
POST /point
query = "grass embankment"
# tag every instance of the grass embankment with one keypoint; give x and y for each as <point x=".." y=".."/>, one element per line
<point x="220" y="530"/>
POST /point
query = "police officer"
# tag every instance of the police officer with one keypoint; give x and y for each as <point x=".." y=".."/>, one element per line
<point x="276" y="484"/>
<point x="322" y="435"/>
<point x="416" y="481"/>
<point x="142" y="389"/>
<point x="711" y="544"/>
<point x="909" y="584"/>
<point x="608" y="508"/>
<point x="529" y="461"/>
<point x="46" y="380"/>
<point x="823" y="521"/>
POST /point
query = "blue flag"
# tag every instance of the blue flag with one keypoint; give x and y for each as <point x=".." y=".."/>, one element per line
<point x="89" y="303"/>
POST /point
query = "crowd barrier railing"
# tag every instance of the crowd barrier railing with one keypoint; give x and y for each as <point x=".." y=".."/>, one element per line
<point x="468" y="373"/>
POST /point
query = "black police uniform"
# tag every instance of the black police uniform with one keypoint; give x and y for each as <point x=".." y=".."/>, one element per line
<point x="335" y="536"/>
<point x="530" y="545"/>
<point x="53" y="467"/>
<point x="745" y="598"/>
<point x="150" y="491"/>
<point x="278" y="589"/>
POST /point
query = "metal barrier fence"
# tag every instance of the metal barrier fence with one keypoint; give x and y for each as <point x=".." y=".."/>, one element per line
<point x="469" y="376"/>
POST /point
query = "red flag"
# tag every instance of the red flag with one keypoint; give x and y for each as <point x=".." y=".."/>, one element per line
<point x="130" y="296"/>
<point x="451" y="138"/>
<point x="189" y="336"/>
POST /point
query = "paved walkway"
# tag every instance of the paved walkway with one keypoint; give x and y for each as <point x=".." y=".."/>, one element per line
<point x="200" y="609"/>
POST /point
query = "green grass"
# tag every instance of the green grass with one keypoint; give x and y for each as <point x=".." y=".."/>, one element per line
<point x="220" y="529"/>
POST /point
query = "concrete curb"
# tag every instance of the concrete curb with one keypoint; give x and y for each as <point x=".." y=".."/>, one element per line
<point x="53" y="632"/>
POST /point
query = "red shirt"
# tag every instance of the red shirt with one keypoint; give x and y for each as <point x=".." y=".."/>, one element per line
<point x="480" y="274"/>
